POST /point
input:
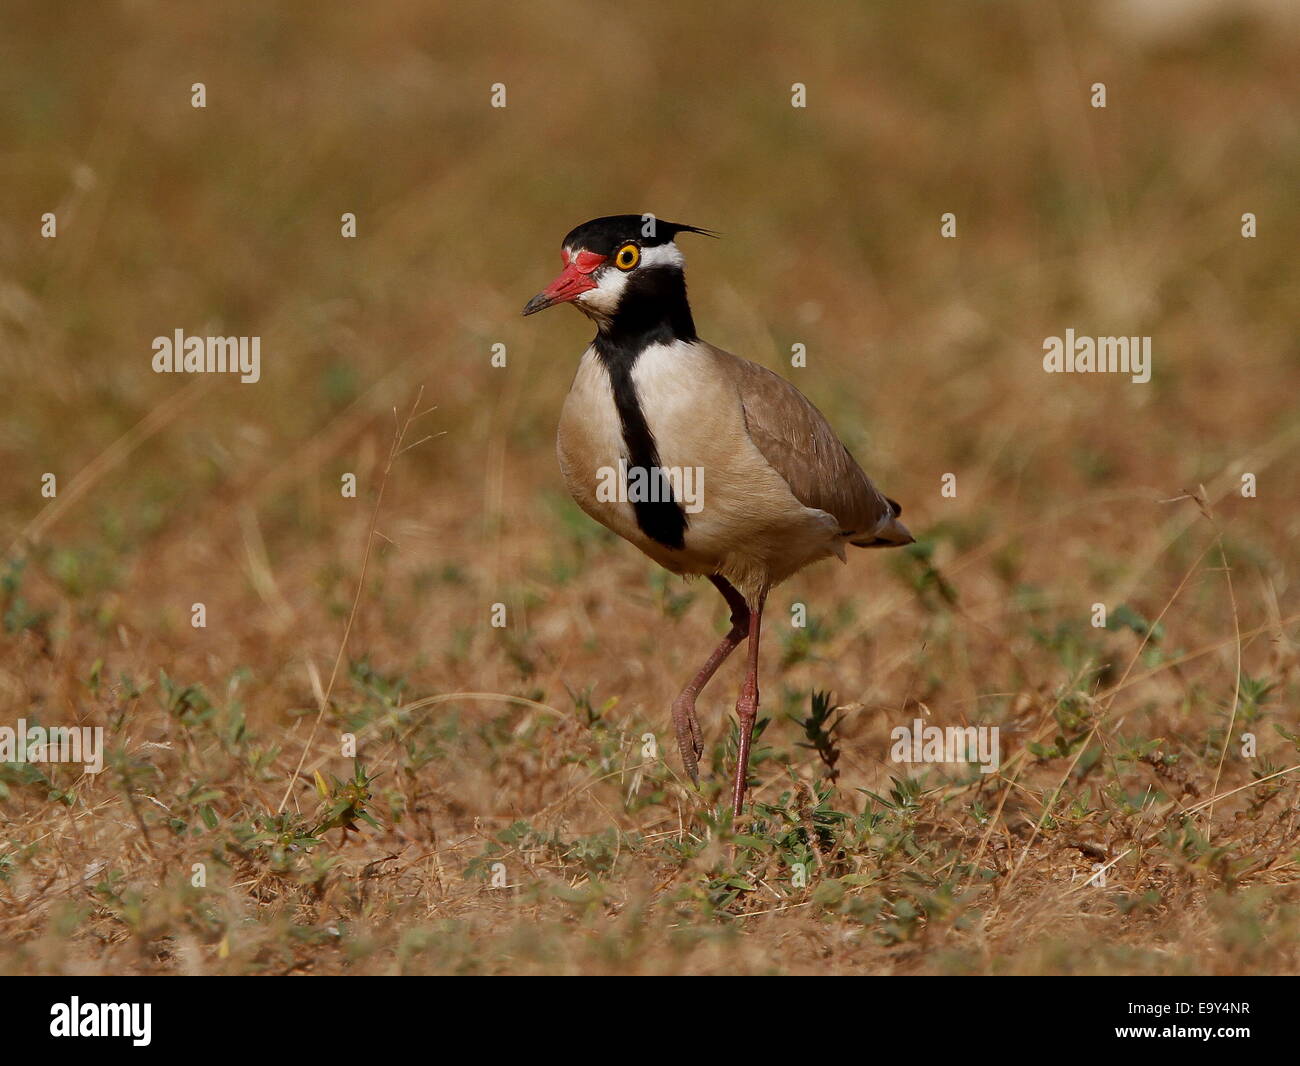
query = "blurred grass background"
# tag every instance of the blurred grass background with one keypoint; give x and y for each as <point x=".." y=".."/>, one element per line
<point x="925" y="353"/>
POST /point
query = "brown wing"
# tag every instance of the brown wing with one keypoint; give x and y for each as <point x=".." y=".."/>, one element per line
<point x="799" y="443"/>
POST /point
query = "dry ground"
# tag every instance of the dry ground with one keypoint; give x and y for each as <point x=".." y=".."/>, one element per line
<point x="523" y="746"/>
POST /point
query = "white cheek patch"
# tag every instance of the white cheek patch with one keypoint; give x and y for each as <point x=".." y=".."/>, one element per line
<point x="603" y="299"/>
<point x="662" y="255"/>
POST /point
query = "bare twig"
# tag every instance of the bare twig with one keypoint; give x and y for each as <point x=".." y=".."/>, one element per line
<point x="399" y="435"/>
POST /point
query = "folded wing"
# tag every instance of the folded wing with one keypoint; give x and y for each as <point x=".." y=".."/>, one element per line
<point x="798" y="442"/>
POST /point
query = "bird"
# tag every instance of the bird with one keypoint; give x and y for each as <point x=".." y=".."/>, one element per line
<point x="710" y="464"/>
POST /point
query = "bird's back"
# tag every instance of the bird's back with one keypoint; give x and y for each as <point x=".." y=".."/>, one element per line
<point x="800" y="445"/>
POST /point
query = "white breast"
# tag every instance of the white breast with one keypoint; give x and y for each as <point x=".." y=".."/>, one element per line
<point x="749" y="526"/>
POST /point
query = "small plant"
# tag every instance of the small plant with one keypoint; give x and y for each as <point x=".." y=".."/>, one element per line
<point x="279" y="836"/>
<point x="16" y="613"/>
<point x="820" y="727"/>
<point x="345" y="802"/>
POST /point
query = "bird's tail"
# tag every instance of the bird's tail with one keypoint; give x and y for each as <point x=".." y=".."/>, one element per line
<point x="891" y="533"/>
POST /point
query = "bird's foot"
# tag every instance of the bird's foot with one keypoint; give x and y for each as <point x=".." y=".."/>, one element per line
<point x="690" y="742"/>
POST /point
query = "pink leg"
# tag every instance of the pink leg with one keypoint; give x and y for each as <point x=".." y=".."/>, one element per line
<point x="689" y="740"/>
<point x="747" y="707"/>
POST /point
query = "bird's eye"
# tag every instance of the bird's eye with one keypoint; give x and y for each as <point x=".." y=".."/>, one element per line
<point x="628" y="257"/>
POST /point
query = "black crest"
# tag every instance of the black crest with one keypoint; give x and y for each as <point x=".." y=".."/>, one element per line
<point x="603" y="235"/>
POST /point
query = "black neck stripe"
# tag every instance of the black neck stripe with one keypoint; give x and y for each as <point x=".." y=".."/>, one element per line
<point x="653" y="310"/>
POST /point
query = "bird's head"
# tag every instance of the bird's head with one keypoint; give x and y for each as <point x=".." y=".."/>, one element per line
<point x="615" y="262"/>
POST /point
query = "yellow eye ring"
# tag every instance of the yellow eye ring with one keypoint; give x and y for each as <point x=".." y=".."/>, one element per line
<point x="628" y="257"/>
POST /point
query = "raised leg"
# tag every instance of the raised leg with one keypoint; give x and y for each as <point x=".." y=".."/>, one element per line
<point x="747" y="707"/>
<point x="689" y="740"/>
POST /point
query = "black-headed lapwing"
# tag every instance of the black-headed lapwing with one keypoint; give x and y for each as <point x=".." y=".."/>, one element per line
<point x="710" y="464"/>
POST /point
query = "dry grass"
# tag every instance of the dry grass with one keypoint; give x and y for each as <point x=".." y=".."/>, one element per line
<point x="925" y="353"/>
